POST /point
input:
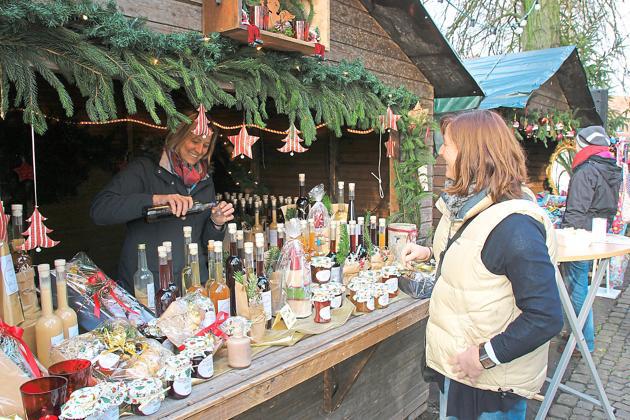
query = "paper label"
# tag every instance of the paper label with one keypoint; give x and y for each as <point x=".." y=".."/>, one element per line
<point x="335" y="302"/>
<point x="335" y="274"/>
<point x="56" y="340"/>
<point x="206" y="367"/>
<point x="8" y="274"/>
<point x="151" y="407"/>
<point x="73" y="331"/>
<point x="323" y="276"/>
<point x="273" y="238"/>
<point x="182" y="385"/>
<point x="383" y="300"/>
<point x="324" y="313"/>
<point x="370" y="304"/>
<point x="208" y="319"/>
<point x="266" y="300"/>
<point x="392" y="284"/>
<point x="151" y="296"/>
<point x="223" y="306"/>
<point x="108" y="360"/>
<point x="288" y="316"/>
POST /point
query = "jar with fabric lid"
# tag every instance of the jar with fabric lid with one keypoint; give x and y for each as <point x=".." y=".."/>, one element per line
<point x="355" y="284"/>
<point x="321" y="302"/>
<point x="372" y="276"/>
<point x="145" y="396"/>
<point x="337" y="291"/>
<point x="364" y="300"/>
<point x="82" y="404"/>
<point x="113" y="394"/>
<point x="199" y="351"/>
<point x="320" y="269"/>
<point x="177" y="373"/>
<point x="390" y="278"/>
<point x="381" y="295"/>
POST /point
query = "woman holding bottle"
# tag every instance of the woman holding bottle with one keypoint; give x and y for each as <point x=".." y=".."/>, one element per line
<point x="176" y="176"/>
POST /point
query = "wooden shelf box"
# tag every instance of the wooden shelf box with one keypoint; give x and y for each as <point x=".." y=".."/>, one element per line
<point x="224" y="16"/>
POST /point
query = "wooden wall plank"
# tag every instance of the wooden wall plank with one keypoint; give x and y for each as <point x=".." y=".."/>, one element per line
<point x="182" y="15"/>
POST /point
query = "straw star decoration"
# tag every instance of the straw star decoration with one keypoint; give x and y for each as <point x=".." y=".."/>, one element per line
<point x="389" y="120"/>
<point x="292" y="142"/>
<point x="243" y="143"/>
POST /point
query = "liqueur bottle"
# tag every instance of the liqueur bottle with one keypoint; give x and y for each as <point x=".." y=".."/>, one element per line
<point x="302" y="202"/>
<point x="263" y="281"/>
<point x="351" y="209"/>
<point x="171" y="281"/>
<point x="186" y="271"/>
<point x="17" y="222"/>
<point x="218" y="291"/>
<point x="360" y="240"/>
<point x="273" y="226"/>
<point x="240" y="244"/>
<point x="381" y="233"/>
<point x="352" y="232"/>
<point x="373" y="230"/>
<point x="143" y="283"/>
<point x="280" y="214"/>
<point x="49" y="327"/>
<point x="163" y="212"/>
<point x="257" y="228"/>
<point x="335" y="271"/>
<point x="165" y="295"/>
<point x="280" y="235"/>
<point x="233" y="265"/>
<point x="193" y="251"/>
<point x="341" y="206"/>
<point x="68" y="315"/>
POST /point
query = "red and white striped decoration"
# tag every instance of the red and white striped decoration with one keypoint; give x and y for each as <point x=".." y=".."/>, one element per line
<point x="37" y="233"/>
<point x="389" y="120"/>
<point x="202" y="125"/>
<point x="390" y="146"/>
<point x="243" y="143"/>
<point x="4" y="224"/>
<point x="292" y="142"/>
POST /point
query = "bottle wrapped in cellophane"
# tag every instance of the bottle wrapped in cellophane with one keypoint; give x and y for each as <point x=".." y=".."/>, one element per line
<point x="295" y="272"/>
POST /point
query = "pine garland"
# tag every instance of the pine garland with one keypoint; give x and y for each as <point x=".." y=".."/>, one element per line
<point x="92" y="46"/>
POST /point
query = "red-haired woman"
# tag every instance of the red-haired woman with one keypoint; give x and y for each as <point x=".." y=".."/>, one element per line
<point x="495" y="305"/>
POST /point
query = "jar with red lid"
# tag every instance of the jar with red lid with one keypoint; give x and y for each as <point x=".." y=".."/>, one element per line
<point x="321" y="302"/>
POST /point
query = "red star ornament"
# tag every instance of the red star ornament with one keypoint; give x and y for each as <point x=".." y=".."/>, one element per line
<point x="37" y="233"/>
<point x="292" y="142"/>
<point x="243" y="143"/>
<point x="202" y="125"/>
<point x="389" y="120"/>
<point x="390" y="145"/>
<point x="24" y="172"/>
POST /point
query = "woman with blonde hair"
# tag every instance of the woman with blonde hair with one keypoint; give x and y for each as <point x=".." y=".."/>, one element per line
<point x="176" y="176"/>
<point x="495" y="304"/>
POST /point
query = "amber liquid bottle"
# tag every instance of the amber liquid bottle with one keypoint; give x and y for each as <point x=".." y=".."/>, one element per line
<point x="258" y="227"/>
<point x="233" y="265"/>
<point x="302" y="202"/>
<point x="218" y="290"/>
<point x="186" y="272"/>
<point x="381" y="233"/>
<point x="164" y="296"/>
<point x="341" y="206"/>
<point x="263" y="281"/>
<point x="193" y="251"/>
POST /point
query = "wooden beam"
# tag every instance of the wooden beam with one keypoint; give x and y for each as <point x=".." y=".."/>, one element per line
<point x="332" y="165"/>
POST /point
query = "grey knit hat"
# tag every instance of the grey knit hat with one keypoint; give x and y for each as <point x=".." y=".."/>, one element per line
<point x="595" y="135"/>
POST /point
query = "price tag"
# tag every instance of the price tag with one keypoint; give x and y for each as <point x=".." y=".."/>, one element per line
<point x="288" y="316"/>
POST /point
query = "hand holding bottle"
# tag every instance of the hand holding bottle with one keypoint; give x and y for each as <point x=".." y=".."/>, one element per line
<point x="412" y="252"/>
<point x="222" y="213"/>
<point x="179" y="204"/>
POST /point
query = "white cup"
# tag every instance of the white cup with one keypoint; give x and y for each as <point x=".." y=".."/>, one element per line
<point x="598" y="232"/>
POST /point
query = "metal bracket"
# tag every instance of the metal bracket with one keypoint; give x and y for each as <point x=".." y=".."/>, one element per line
<point x="335" y="388"/>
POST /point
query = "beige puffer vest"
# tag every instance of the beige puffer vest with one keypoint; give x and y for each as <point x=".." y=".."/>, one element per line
<point x="470" y="305"/>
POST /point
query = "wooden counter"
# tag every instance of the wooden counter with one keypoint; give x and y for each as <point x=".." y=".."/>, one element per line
<point x="305" y="376"/>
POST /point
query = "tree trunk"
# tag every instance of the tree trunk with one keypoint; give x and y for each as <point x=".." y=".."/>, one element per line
<point x="543" y="26"/>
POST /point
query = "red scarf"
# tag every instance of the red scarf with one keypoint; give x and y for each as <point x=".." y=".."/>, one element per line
<point x="189" y="174"/>
<point x="589" y="151"/>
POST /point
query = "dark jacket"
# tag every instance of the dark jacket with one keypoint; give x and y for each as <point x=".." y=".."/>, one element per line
<point x="593" y="192"/>
<point x="125" y="197"/>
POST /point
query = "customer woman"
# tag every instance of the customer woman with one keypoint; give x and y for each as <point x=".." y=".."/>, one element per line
<point x="176" y="176"/>
<point x="495" y="304"/>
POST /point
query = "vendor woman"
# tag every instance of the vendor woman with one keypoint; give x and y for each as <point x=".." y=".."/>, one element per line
<point x="177" y="176"/>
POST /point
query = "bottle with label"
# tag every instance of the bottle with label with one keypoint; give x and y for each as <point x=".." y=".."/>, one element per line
<point x="168" y="245"/>
<point x="49" y="327"/>
<point x="341" y="206"/>
<point x="163" y="212"/>
<point x="193" y="251"/>
<point x="335" y="271"/>
<point x="66" y="313"/>
<point x="360" y="240"/>
<point x="258" y="227"/>
<point x="280" y="235"/>
<point x="218" y="290"/>
<point x="263" y="281"/>
<point x="302" y="202"/>
<point x="279" y="213"/>
<point x="210" y="264"/>
<point x="233" y="265"/>
<point x="273" y="225"/>
<point x="240" y="244"/>
<point x="143" y="283"/>
<point x="186" y="272"/>
<point x="164" y="296"/>
<point x="351" y="209"/>
<point x="352" y="232"/>
<point x="381" y="233"/>
<point x="373" y="230"/>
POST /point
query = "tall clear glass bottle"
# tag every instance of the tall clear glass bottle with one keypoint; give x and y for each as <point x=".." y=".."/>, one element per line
<point x="263" y="281"/>
<point x="165" y="295"/>
<point x="341" y="206"/>
<point x="193" y="251"/>
<point x="49" y="327"/>
<point x="240" y="243"/>
<point x="218" y="290"/>
<point x="66" y="313"/>
<point x="302" y="202"/>
<point x="169" y="255"/>
<point x="143" y="282"/>
<point x="273" y="225"/>
<point x="352" y="231"/>
<point x="258" y="227"/>
<point x="186" y="271"/>
<point x="281" y="235"/>
<point x="335" y="271"/>
<point x="17" y="222"/>
<point x="351" y="209"/>
<point x="381" y="233"/>
<point x="233" y="265"/>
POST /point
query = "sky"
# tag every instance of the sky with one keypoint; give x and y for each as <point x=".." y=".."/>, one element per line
<point x="436" y="9"/>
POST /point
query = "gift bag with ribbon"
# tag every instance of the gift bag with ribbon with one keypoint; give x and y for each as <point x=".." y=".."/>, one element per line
<point x="97" y="298"/>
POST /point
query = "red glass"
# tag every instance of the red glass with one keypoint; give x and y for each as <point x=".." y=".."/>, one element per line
<point x="77" y="371"/>
<point x="43" y="397"/>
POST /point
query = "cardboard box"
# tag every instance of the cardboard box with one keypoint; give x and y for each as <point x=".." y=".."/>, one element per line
<point x="10" y="304"/>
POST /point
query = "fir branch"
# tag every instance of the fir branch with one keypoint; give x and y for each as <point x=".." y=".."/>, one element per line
<point x="367" y="238"/>
<point x="343" y="249"/>
<point x="271" y="259"/>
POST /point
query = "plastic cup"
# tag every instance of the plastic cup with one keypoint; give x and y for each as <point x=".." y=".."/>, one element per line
<point x="77" y="371"/>
<point x="42" y="398"/>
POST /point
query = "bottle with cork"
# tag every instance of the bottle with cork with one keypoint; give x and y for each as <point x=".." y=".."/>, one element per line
<point x="302" y="202"/>
<point x="49" y="327"/>
<point x="143" y="282"/>
<point x="381" y="233"/>
<point x="218" y="290"/>
<point x="66" y="313"/>
<point x="195" y="279"/>
<point x="340" y="214"/>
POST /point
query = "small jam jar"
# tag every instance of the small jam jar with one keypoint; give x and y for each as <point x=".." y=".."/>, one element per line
<point x="372" y="276"/>
<point x="364" y="300"/>
<point x="320" y="269"/>
<point x="177" y="374"/>
<point x="381" y="295"/>
<point x="199" y="351"/>
<point x="321" y="302"/>
<point x="112" y="396"/>
<point x="337" y="291"/>
<point x="82" y="404"/>
<point x="355" y="284"/>
<point x="390" y="278"/>
<point x="145" y="396"/>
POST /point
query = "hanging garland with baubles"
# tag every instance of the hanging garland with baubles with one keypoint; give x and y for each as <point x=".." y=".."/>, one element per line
<point x="551" y="125"/>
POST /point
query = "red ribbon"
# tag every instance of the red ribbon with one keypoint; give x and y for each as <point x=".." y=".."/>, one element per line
<point x="411" y="234"/>
<point x="107" y="288"/>
<point x="320" y="50"/>
<point x="213" y="328"/>
<point x="16" y="333"/>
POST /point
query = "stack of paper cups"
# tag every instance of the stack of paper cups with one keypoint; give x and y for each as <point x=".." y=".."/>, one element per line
<point x="600" y="225"/>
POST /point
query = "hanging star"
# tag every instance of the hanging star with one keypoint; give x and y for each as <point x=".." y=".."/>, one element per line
<point x="390" y="146"/>
<point x="202" y="125"/>
<point x="37" y="233"/>
<point x="389" y="120"/>
<point x="292" y="142"/>
<point x="24" y="172"/>
<point x="4" y="223"/>
<point x="243" y="143"/>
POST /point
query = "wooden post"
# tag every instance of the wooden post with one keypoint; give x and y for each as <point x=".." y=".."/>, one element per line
<point x="393" y="197"/>
<point x="332" y="165"/>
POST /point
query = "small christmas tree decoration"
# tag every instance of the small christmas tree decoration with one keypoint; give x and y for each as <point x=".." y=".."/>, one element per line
<point x="243" y="143"/>
<point x="292" y="142"/>
<point x="37" y="233"/>
<point x="389" y="121"/>
<point x="202" y="125"/>
<point x="390" y="146"/>
<point x="4" y="223"/>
